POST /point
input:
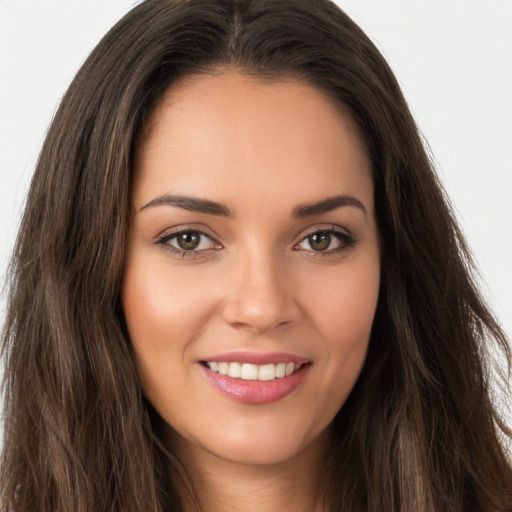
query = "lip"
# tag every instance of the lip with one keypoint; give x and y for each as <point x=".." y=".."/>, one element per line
<point x="256" y="392"/>
<point x="257" y="358"/>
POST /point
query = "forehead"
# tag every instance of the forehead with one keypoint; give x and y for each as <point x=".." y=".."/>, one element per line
<point x="216" y="133"/>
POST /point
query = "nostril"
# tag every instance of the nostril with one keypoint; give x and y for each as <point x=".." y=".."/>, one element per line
<point x="261" y="314"/>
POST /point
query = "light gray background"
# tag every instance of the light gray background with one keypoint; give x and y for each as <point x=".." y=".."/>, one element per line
<point x="453" y="59"/>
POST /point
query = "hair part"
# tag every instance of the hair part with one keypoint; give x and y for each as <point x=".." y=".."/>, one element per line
<point x="419" y="431"/>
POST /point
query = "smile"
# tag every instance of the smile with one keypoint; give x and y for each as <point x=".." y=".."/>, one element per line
<point x="254" y="379"/>
<point x="247" y="371"/>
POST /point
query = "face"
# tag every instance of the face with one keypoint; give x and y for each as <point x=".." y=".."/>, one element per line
<point x="252" y="267"/>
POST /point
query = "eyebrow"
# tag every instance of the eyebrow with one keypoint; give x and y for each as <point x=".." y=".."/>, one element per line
<point x="192" y="204"/>
<point x="327" y="205"/>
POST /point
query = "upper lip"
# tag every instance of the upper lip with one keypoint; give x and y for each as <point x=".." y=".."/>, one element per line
<point x="258" y="358"/>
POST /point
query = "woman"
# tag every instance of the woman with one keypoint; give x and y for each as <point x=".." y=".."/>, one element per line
<point x="238" y="284"/>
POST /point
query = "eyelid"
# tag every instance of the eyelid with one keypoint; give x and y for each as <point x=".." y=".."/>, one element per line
<point x="183" y="228"/>
<point x="323" y="227"/>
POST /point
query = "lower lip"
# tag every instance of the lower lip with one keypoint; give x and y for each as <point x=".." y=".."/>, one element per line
<point x="256" y="391"/>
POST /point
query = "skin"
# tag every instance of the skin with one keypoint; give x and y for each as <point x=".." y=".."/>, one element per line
<point x="256" y="283"/>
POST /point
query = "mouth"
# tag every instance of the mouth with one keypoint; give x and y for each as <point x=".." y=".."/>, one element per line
<point x="248" y="371"/>
<point x="256" y="378"/>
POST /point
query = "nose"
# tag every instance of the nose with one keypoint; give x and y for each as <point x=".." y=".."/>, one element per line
<point x="260" y="295"/>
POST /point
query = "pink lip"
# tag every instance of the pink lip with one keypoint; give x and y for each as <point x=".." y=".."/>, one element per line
<point x="255" y="391"/>
<point x="257" y="358"/>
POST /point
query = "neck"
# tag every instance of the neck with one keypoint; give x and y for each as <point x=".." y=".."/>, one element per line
<point x="221" y="485"/>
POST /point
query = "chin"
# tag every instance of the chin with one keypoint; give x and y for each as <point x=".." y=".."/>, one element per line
<point x="260" y="445"/>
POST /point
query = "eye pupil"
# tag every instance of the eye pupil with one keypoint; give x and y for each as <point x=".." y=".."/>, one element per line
<point x="320" y="241"/>
<point x="189" y="240"/>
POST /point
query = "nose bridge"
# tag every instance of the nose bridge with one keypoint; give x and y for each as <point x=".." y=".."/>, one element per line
<point x="260" y="296"/>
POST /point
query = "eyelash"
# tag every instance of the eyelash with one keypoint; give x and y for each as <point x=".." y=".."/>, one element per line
<point x="164" y="240"/>
<point x="346" y="242"/>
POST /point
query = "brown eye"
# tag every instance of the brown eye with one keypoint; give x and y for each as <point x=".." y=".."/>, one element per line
<point x="326" y="241"/>
<point x="188" y="241"/>
<point x="320" y="241"/>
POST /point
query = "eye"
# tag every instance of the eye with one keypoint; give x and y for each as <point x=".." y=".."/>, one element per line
<point x="187" y="242"/>
<point x="190" y="241"/>
<point x="327" y="241"/>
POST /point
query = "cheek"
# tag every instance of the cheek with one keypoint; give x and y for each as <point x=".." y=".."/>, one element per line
<point x="159" y="314"/>
<point x="344" y="314"/>
<point x="346" y="307"/>
<point x="156" y="314"/>
<point x="160" y="305"/>
<point x="167" y="307"/>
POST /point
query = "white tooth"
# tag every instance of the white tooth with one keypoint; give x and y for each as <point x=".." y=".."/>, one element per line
<point x="290" y="367"/>
<point x="234" y="370"/>
<point x="280" y="370"/>
<point x="223" y="368"/>
<point x="297" y="366"/>
<point x="214" y="367"/>
<point x="267" y="372"/>
<point x="249" y="372"/>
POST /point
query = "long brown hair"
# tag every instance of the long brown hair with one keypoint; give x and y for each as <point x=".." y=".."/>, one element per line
<point x="418" y="433"/>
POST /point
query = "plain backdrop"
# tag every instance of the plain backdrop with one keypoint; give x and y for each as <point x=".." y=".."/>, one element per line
<point x="453" y="59"/>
